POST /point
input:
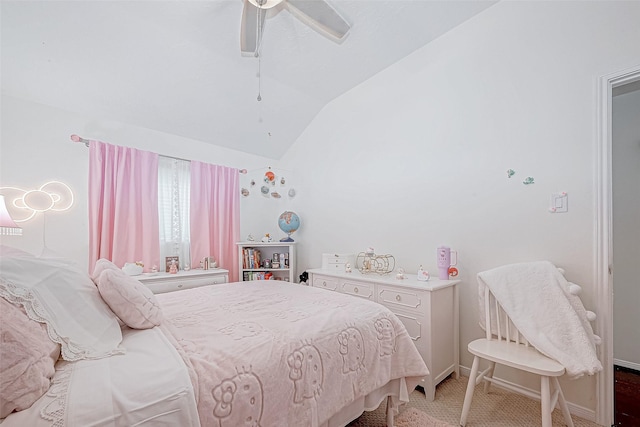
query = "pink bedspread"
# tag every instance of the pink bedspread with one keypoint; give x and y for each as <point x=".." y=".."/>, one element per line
<point x="270" y="353"/>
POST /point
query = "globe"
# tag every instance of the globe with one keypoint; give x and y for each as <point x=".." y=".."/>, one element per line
<point x="288" y="222"/>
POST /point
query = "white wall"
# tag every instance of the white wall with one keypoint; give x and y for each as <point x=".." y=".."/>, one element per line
<point x="416" y="157"/>
<point x="35" y="148"/>
<point x="626" y="229"/>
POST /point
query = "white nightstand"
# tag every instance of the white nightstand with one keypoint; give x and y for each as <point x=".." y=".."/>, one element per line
<point x="160" y="283"/>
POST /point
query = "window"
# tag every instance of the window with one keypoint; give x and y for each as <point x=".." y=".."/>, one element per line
<point x="174" y="177"/>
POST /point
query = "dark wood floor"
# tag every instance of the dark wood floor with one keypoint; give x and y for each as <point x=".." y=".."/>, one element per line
<point x="627" y="397"/>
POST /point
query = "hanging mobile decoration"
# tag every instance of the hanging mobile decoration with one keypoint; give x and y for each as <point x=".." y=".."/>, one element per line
<point x="269" y="185"/>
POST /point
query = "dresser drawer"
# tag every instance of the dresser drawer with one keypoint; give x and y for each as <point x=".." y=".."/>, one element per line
<point x="401" y="298"/>
<point x="179" y="284"/>
<point x="336" y="266"/>
<point x="413" y="326"/>
<point x="358" y="289"/>
<point x="325" y="283"/>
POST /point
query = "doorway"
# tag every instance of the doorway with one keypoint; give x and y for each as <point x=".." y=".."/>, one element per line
<point x="604" y="264"/>
<point x="625" y="173"/>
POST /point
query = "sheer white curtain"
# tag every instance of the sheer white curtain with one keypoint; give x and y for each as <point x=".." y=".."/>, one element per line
<point x="174" y="178"/>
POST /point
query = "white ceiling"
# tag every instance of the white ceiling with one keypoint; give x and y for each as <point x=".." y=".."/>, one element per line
<point x="175" y="66"/>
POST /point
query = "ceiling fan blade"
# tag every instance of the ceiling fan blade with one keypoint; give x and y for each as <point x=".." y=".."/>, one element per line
<point x="323" y="18"/>
<point x="251" y="29"/>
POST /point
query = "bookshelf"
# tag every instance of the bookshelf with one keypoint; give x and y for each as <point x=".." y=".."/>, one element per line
<point x="251" y="257"/>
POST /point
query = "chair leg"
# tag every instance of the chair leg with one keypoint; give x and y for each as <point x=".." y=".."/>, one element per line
<point x="563" y="403"/>
<point x="471" y="385"/>
<point x="489" y="375"/>
<point x="545" y="401"/>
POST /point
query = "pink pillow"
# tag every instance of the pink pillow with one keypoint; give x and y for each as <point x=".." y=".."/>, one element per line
<point x="27" y="359"/>
<point x="129" y="299"/>
<point x="101" y="265"/>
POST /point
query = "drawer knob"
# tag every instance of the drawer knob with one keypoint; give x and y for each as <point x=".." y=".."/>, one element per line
<point x="180" y="285"/>
<point x="324" y="284"/>
<point x="355" y="290"/>
<point x="398" y="297"/>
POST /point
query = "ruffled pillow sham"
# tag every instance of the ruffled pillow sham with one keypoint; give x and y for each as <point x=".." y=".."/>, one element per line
<point x="59" y="294"/>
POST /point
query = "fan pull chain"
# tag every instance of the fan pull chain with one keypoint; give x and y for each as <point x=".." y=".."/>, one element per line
<point x="257" y="53"/>
<point x="259" y="79"/>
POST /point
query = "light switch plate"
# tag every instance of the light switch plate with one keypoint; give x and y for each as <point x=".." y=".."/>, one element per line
<point x="559" y="202"/>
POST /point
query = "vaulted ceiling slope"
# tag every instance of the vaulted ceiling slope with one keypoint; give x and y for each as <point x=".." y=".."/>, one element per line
<point x="176" y="67"/>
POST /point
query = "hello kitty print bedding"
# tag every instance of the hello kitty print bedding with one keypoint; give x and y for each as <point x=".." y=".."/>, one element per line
<point x="271" y="353"/>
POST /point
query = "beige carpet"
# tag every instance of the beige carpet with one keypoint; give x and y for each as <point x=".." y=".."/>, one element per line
<point x="412" y="417"/>
<point x="498" y="408"/>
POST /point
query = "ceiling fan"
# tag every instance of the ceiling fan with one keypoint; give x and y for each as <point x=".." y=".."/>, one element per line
<point x="317" y="14"/>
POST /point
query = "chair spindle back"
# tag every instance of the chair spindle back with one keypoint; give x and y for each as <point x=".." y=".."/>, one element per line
<point x="497" y="321"/>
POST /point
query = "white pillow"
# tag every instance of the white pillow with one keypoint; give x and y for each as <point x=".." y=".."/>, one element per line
<point x="57" y="293"/>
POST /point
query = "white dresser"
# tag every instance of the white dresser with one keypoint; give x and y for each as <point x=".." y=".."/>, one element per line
<point x="164" y="282"/>
<point x="429" y="311"/>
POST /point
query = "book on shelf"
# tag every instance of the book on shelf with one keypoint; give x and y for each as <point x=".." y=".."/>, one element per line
<point x="251" y="258"/>
<point x="258" y="275"/>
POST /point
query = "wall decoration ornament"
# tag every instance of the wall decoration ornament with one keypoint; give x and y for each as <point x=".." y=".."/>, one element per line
<point x="23" y="204"/>
<point x="269" y="176"/>
<point x="272" y="184"/>
<point x="528" y="180"/>
<point x="510" y="173"/>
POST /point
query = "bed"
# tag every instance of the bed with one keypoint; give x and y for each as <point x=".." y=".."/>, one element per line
<point x="262" y="353"/>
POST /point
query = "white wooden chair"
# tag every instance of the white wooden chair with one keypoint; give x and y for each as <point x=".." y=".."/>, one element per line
<point x="508" y="347"/>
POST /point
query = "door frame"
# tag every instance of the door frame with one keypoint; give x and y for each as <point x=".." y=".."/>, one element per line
<point x="604" y="239"/>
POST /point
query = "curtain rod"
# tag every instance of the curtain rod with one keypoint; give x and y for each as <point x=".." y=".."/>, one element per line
<point x="76" y="138"/>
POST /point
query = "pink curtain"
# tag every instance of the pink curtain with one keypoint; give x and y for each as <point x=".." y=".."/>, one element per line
<point x="123" y="205"/>
<point x="215" y="215"/>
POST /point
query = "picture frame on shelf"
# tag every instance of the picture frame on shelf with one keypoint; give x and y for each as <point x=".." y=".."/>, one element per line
<point x="169" y="260"/>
